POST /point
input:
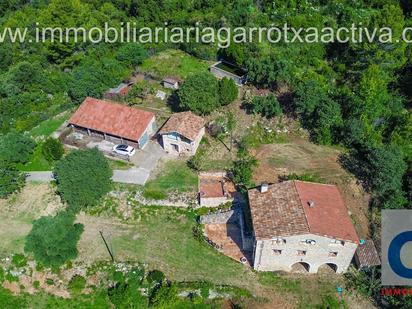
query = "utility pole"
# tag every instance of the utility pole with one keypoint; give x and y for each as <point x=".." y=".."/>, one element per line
<point x="107" y="246"/>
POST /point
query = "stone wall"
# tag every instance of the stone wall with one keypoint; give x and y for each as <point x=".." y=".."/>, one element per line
<point x="318" y="254"/>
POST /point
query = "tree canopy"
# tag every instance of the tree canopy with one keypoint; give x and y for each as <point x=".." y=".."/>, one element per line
<point x="83" y="178"/>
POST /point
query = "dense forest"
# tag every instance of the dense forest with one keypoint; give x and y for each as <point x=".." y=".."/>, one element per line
<point x="358" y="96"/>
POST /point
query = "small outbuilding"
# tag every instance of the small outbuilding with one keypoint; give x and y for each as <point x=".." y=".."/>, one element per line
<point x="182" y="133"/>
<point x="114" y="122"/>
<point x="215" y="188"/>
<point x="171" y="82"/>
<point x="120" y="91"/>
<point x="223" y="69"/>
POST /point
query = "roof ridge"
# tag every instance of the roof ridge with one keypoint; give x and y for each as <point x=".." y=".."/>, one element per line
<point x="301" y="204"/>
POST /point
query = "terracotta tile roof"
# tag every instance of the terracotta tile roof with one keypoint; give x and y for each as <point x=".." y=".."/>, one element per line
<point x="186" y="124"/>
<point x="112" y="118"/>
<point x="284" y="210"/>
<point x="367" y="255"/>
<point x="277" y="212"/>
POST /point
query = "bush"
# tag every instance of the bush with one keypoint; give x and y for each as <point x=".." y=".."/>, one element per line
<point x="268" y="106"/>
<point x="53" y="240"/>
<point x="19" y="260"/>
<point x="199" y="93"/>
<point x="36" y="284"/>
<point x="165" y="296"/>
<point x="77" y="284"/>
<point x="53" y="149"/>
<point x="228" y="91"/>
<point x="83" y="178"/>
<point x="155" y="276"/>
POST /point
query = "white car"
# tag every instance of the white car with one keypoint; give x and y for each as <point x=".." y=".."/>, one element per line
<point x="125" y="150"/>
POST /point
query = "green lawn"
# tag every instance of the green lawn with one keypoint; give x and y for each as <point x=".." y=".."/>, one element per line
<point x="173" y="62"/>
<point x="47" y="127"/>
<point x="119" y="165"/>
<point x="37" y="162"/>
<point x="175" y="176"/>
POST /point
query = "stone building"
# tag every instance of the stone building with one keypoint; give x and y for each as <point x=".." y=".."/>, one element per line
<point x="301" y="225"/>
<point x="182" y="133"/>
<point x="215" y="188"/>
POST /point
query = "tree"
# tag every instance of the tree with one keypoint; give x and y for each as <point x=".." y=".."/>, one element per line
<point x="131" y="54"/>
<point x="199" y="93"/>
<point x="53" y="240"/>
<point x="267" y="106"/>
<point x="243" y="168"/>
<point x="83" y="177"/>
<point x="52" y="149"/>
<point x="11" y="180"/>
<point x="16" y="148"/>
<point x="228" y="91"/>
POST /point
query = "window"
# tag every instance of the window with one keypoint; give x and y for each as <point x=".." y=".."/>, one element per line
<point x="301" y="252"/>
<point x="277" y="252"/>
<point x="333" y="254"/>
<point x="278" y="241"/>
<point x="337" y="242"/>
<point x="308" y="242"/>
<point x="173" y="136"/>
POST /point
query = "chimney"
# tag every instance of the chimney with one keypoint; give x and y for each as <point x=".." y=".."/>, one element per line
<point x="264" y="187"/>
<point x="312" y="204"/>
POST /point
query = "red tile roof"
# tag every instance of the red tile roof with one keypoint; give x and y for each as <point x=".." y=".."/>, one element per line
<point x="186" y="124"/>
<point x="284" y="211"/>
<point x="112" y="118"/>
<point x="367" y="255"/>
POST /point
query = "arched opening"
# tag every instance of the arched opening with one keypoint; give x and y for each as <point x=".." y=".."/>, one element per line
<point x="300" y="268"/>
<point x="328" y="268"/>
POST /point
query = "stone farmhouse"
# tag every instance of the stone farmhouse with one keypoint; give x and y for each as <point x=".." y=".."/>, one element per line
<point x="171" y="82"/>
<point x="182" y="133"/>
<point x="215" y="188"/>
<point x="301" y="225"/>
<point x="113" y="122"/>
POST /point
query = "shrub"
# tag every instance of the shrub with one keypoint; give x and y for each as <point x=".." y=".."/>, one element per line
<point x="155" y="276"/>
<point x="36" y="284"/>
<point x="228" y="91"/>
<point x="77" y="284"/>
<point x="49" y="281"/>
<point x="2" y="276"/>
<point x="83" y="177"/>
<point x="52" y="149"/>
<point x="268" y="106"/>
<point x="165" y="296"/>
<point x="53" y="240"/>
<point x="19" y="260"/>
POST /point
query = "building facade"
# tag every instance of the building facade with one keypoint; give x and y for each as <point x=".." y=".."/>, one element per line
<point x="182" y="133"/>
<point x="300" y="224"/>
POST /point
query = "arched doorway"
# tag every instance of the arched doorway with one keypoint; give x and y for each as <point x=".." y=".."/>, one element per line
<point x="328" y="268"/>
<point x="300" y="268"/>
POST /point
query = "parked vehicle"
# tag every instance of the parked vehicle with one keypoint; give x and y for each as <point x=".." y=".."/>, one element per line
<point x="125" y="150"/>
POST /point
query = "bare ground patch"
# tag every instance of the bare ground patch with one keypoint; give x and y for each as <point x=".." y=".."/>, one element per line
<point x="301" y="157"/>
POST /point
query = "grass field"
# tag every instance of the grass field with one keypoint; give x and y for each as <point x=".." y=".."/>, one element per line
<point x="173" y="62"/>
<point x="174" y="176"/>
<point x="162" y="237"/>
<point x="46" y="128"/>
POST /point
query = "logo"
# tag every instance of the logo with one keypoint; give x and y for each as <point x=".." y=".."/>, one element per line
<point x="397" y="247"/>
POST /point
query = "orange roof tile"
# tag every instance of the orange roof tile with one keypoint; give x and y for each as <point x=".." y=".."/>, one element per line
<point x="186" y="124"/>
<point x="284" y="211"/>
<point x="112" y="118"/>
